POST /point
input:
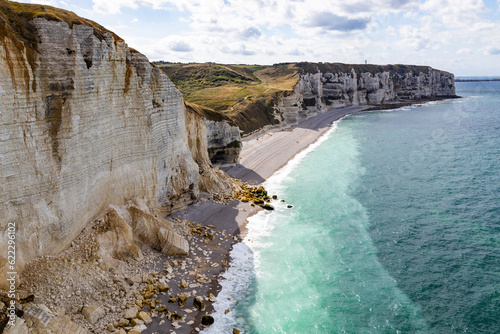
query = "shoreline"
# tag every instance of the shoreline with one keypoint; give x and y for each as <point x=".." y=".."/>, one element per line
<point x="264" y="155"/>
<point x="158" y="293"/>
<point x="173" y="292"/>
<point x="260" y="158"/>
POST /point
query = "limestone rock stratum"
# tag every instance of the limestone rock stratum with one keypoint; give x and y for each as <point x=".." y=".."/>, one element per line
<point x="85" y="122"/>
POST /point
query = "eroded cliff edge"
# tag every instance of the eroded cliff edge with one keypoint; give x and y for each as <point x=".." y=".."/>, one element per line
<point x="85" y="122"/>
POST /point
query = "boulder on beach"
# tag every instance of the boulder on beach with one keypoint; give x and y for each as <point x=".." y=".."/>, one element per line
<point x="199" y="304"/>
<point x="181" y="298"/>
<point x="92" y="313"/>
<point x="207" y="321"/>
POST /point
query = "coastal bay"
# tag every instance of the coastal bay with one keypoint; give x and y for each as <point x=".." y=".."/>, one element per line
<point x="261" y="156"/>
<point x="393" y="228"/>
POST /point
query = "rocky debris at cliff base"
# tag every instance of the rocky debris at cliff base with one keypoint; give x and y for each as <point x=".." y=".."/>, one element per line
<point x="132" y="294"/>
<point x="92" y="313"/>
<point x="268" y="207"/>
<point x="256" y="194"/>
<point x="199" y="304"/>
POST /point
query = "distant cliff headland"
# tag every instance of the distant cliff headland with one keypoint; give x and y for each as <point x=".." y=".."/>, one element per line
<point x="255" y="96"/>
<point x="97" y="145"/>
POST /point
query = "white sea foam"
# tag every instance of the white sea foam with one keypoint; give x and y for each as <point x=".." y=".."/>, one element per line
<point x="245" y="255"/>
<point x="237" y="280"/>
<point x="274" y="183"/>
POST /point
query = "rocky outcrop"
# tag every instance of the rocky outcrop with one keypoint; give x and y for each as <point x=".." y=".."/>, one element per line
<point x="85" y="122"/>
<point x="125" y="229"/>
<point x="224" y="143"/>
<point x="326" y="86"/>
<point x="257" y="98"/>
<point x="223" y="135"/>
<point x="200" y="124"/>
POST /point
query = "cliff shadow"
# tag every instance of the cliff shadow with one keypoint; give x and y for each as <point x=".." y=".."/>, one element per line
<point x="244" y="174"/>
<point x="220" y="215"/>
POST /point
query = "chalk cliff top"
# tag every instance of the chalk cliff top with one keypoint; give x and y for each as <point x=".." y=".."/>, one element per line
<point x="16" y="17"/>
<point x="395" y="69"/>
<point x="15" y="22"/>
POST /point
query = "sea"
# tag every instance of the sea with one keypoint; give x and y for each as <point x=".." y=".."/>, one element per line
<point x="390" y="223"/>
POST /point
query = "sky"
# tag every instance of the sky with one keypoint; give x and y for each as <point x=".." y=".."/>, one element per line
<point x="462" y="37"/>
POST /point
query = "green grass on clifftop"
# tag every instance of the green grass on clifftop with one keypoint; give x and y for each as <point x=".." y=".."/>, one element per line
<point x="245" y="93"/>
<point x="399" y="69"/>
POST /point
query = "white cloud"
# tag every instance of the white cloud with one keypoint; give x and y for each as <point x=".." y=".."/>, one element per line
<point x="107" y="7"/>
<point x="429" y="32"/>
<point x="464" y="51"/>
<point x="241" y="50"/>
<point x="181" y="46"/>
<point x="251" y="32"/>
<point x="296" y="52"/>
<point x="45" y="2"/>
<point x="455" y="13"/>
<point x="217" y="15"/>
<point x="330" y="21"/>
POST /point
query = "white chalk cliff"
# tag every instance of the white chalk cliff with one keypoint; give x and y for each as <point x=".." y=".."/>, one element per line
<point x="324" y="86"/>
<point x="85" y="122"/>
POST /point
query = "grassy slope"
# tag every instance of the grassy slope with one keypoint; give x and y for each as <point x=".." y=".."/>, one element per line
<point x="208" y="113"/>
<point x="246" y="93"/>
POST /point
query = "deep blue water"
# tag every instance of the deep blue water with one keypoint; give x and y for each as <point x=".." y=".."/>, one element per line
<point x="395" y="228"/>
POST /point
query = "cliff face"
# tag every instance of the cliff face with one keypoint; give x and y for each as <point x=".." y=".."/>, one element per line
<point x="85" y="122"/>
<point x="212" y="180"/>
<point x="223" y="136"/>
<point x="326" y="86"/>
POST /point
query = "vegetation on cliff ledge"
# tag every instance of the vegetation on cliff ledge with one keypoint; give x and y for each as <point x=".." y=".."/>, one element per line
<point x="245" y="93"/>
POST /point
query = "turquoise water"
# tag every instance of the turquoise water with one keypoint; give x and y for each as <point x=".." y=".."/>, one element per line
<point x="395" y="228"/>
